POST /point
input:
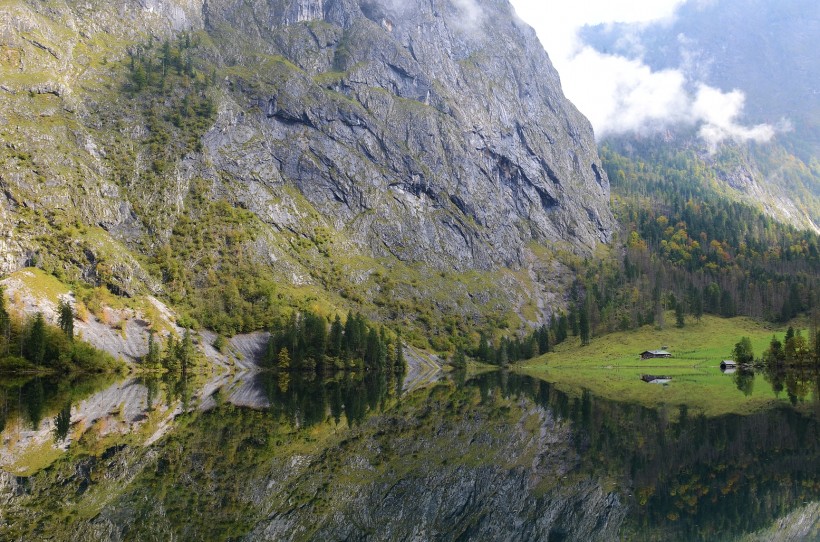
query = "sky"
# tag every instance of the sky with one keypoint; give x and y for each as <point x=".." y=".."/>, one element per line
<point x="624" y="95"/>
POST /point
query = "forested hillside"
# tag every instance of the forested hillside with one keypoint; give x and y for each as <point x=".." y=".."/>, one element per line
<point x="686" y="247"/>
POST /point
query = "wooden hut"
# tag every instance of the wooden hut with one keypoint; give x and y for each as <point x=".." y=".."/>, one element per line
<point x="728" y="364"/>
<point x="651" y="354"/>
<point x="655" y="379"/>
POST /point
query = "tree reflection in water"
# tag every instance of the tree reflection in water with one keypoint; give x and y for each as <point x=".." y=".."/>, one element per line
<point x="679" y="475"/>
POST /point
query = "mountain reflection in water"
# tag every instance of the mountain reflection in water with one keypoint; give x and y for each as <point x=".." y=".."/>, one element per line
<point x="498" y="456"/>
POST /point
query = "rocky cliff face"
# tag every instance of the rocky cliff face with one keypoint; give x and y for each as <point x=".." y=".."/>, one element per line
<point x="431" y="134"/>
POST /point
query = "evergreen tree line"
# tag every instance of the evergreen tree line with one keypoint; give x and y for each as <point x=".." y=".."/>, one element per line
<point x="177" y="355"/>
<point x="306" y="342"/>
<point x="540" y="341"/>
<point x="795" y="349"/>
<point x="690" y="250"/>
<point x="33" y="343"/>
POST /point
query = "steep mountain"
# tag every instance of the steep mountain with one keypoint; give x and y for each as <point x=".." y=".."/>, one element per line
<point x="412" y="158"/>
<point x="766" y="49"/>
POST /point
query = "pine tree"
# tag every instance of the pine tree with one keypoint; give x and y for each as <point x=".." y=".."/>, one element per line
<point x="186" y="351"/>
<point x="36" y="343"/>
<point x="532" y="346"/>
<point x="400" y="363"/>
<point x="713" y="298"/>
<point x="66" y="319"/>
<point x="361" y="333"/>
<point x="796" y="347"/>
<point x="774" y="355"/>
<point x="351" y="339"/>
<point x="166" y="56"/>
<point x="727" y="304"/>
<point x="372" y="351"/>
<point x="171" y="360"/>
<point x="696" y="306"/>
<point x="483" y="348"/>
<point x="152" y="358"/>
<point x="503" y="354"/>
<point x="583" y="325"/>
<point x="573" y="320"/>
<point x="802" y="352"/>
<point x="792" y="304"/>
<point x="139" y="77"/>
<point x="543" y="339"/>
<point x="334" y="342"/>
<point x="563" y="324"/>
<point x="459" y="360"/>
<point x="679" y="315"/>
<point x="314" y="334"/>
<point x="789" y="350"/>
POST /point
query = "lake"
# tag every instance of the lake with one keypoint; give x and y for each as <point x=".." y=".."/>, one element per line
<point x="491" y="456"/>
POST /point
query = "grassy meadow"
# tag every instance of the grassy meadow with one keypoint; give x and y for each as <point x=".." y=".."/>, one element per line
<point x="610" y="366"/>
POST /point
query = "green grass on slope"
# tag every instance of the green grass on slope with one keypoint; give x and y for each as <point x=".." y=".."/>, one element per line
<point x="611" y="366"/>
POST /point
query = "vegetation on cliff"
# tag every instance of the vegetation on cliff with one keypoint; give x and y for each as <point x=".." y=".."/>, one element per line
<point x="34" y="346"/>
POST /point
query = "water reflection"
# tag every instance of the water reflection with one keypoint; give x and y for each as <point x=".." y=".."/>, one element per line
<point x="62" y="421"/>
<point x="306" y="400"/>
<point x="745" y="381"/>
<point x="799" y="382"/>
<point x="497" y="454"/>
<point x="27" y="401"/>
<point x="697" y="478"/>
<point x="41" y="417"/>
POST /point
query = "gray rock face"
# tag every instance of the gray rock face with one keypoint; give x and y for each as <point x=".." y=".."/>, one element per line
<point x="433" y="132"/>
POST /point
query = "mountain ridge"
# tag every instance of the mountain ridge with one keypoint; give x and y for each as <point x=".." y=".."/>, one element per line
<point x="339" y="149"/>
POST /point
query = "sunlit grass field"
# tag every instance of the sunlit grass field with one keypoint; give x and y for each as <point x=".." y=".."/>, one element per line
<point x="611" y="367"/>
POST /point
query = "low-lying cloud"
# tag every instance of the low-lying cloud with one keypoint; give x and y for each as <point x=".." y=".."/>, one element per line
<point x="623" y="95"/>
<point x="472" y="14"/>
<point x="718" y="113"/>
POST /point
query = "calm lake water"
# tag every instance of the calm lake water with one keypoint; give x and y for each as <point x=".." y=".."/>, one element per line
<point x="498" y="456"/>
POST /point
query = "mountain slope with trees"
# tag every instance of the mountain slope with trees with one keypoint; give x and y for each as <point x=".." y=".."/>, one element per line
<point x="687" y="245"/>
<point x="239" y="161"/>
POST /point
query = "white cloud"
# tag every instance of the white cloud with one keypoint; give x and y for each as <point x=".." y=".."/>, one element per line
<point x="718" y="112"/>
<point x="622" y="95"/>
<point x="472" y="12"/>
